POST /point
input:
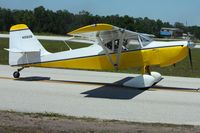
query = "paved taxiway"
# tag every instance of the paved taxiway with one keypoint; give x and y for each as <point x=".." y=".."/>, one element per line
<point x="51" y="90"/>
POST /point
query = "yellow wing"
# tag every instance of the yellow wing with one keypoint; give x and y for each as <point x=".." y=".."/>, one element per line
<point x="92" y="28"/>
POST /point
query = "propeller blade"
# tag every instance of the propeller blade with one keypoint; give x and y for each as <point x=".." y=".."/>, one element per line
<point x="190" y="57"/>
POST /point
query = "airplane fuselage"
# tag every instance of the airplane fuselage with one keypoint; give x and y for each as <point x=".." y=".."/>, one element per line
<point x="93" y="58"/>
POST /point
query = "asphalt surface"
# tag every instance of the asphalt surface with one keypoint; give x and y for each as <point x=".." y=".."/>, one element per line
<point x="99" y="95"/>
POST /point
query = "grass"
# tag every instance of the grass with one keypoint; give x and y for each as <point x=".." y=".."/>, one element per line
<point x="4" y="32"/>
<point x="87" y="119"/>
<point x="54" y="46"/>
<point x="3" y="53"/>
<point x="182" y="68"/>
<point x="51" y="115"/>
<point x="19" y="122"/>
<point x="57" y="46"/>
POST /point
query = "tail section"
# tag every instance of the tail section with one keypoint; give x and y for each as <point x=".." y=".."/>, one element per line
<point x="24" y="48"/>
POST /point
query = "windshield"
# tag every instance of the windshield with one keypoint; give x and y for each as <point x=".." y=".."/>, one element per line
<point x="145" y="40"/>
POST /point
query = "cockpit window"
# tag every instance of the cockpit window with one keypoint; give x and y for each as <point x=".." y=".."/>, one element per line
<point x="113" y="45"/>
<point x="145" y="40"/>
<point x="132" y="42"/>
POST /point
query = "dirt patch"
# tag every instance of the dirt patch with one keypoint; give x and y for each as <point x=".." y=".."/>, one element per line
<point x="39" y="123"/>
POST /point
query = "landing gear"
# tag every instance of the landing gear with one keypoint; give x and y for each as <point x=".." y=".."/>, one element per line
<point x="16" y="74"/>
<point x="147" y="70"/>
<point x="146" y="80"/>
<point x="142" y="81"/>
<point x="157" y="76"/>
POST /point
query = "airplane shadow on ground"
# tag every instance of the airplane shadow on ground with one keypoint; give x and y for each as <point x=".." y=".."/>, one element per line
<point x="115" y="91"/>
<point x="107" y="91"/>
<point x="33" y="78"/>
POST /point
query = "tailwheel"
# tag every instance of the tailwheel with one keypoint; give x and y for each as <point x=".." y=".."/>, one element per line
<point x="16" y="74"/>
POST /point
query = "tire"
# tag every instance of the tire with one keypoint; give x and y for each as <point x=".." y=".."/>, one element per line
<point x="16" y="74"/>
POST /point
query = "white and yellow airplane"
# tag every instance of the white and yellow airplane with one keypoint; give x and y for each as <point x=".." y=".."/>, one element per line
<point x="111" y="48"/>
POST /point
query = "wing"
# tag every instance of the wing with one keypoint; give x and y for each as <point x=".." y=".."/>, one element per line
<point x="106" y="32"/>
<point x="89" y="32"/>
<point x="110" y="37"/>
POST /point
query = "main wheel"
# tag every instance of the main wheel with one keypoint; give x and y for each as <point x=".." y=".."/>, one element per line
<point x="16" y="74"/>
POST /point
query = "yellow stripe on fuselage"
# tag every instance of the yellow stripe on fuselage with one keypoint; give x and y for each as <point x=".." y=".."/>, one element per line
<point x="149" y="57"/>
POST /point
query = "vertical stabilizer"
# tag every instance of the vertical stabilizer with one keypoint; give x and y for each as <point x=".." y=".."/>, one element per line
<point x="24" y="48"/>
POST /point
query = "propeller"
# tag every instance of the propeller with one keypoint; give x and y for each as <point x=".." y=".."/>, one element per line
<point x="190" y="57"/>
<point x="190" y="46"/>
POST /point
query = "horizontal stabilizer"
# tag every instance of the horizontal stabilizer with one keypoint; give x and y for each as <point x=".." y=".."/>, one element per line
<point x="21" y="51"/>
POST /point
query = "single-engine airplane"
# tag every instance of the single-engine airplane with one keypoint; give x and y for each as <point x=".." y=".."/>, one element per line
<point x="111" y="48"/>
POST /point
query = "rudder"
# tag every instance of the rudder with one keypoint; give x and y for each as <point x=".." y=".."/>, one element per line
<point x="24" y="48"/>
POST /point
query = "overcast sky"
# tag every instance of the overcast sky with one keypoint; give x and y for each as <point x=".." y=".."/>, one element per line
<point x="185" y="11"/>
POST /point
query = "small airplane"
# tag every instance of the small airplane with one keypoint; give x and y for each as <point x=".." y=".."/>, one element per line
<point x="112" y="48"/>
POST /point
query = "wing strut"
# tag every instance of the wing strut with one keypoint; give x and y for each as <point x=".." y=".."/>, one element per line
<point x="105" y="50"/>
<point x="119" y="51"/>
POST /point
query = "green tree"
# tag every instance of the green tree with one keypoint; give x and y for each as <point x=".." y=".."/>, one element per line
<point x="62" y="21"/>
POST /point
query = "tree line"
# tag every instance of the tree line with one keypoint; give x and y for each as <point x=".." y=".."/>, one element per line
<point x="62" y="21"/>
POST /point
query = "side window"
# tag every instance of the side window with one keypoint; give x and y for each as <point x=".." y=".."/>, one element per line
<point x="109" y="45"/>
<point x="116" y="45"/>
<point x="113" y="45"/>
<point x="133" y="44"/>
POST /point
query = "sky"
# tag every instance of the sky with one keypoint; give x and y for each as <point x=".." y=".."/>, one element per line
<point x="184" y="11"/>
